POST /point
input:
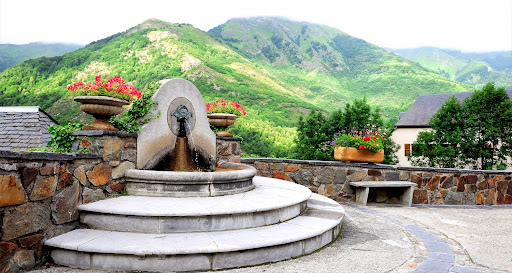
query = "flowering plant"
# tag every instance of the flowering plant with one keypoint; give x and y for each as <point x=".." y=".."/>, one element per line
<point x="223" y="106"/>
<point x="114" y="87"/>
<point x="367" y="139"/>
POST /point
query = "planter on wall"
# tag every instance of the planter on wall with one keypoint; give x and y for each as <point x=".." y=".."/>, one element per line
<point x="222" y="120"/>
<point x="349" y="154"/>
<point x="101" y="108"/>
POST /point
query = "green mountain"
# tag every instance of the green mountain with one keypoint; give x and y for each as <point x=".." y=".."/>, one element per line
<point x="11" y="55"/>
<point x="276" y="68"/>
<point x="474" y="69"/>
<point x="329" y="67"/>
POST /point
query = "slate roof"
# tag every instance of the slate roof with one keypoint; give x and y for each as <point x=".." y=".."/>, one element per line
<point x="425" y="106"/>
<point x="23" y="127"/>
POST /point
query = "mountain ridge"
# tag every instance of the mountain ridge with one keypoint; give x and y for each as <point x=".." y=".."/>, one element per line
<point x="13" y="54"/>
<point x="472" y="68"/>
<point x="331" y="53"/>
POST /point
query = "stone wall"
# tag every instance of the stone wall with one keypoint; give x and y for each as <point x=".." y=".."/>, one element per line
<point x="39" y="196"/>
<point x="435" y="186"/>
<point x="117" y="150"/>
<point x="228" y="149"/>
<point x="40" y="193"/>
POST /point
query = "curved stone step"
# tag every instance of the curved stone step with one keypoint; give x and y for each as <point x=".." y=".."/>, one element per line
<point x="110" y="250"/>
<point x="272" y="201"/>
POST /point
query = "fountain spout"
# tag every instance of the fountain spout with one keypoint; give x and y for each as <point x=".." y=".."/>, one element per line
<point x="181" y="157"/>
<point x="182" y="114"/>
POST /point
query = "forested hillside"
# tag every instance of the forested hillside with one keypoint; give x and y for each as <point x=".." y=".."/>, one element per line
<point x="330" y="67"/>
<point x="277" y="69"/>
<point x="475" y="69"/>
<point x="11" y="55"/>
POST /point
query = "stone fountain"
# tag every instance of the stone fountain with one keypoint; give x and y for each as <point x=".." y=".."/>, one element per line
<point x="181" y="141"/>
<point x="181" y="215"/>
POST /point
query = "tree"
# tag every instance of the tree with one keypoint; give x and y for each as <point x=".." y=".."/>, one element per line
<point x="311" y="142"/>
<point x="360" y="115"/>
<point x="488" y="121"/>
<point x="435" y="148"/>
<point x="476" y="133"/>
<point x="316" y="131"/>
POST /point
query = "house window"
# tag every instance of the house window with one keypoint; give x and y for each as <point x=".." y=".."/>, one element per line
<point x="407" y="149"/>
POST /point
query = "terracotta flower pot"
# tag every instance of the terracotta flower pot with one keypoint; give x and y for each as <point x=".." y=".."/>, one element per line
<point x="101" y="108"/>
<point x="222" y="120"/>
<point x="349" y="154"/>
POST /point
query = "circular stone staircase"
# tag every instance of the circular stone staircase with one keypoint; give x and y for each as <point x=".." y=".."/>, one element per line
<point x="277" y="220"/>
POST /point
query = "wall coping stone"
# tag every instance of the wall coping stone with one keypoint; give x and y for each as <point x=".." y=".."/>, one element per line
<point x="229" y="138"/>
<point x="46" y="155"/>
<point x="86" y="156"/>
<point x="251" y="160"/>
<point x="103" y="133"/>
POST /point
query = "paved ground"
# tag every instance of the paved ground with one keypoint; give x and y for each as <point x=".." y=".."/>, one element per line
<point x="400" y="239"/>
<point x="479" y="237"/>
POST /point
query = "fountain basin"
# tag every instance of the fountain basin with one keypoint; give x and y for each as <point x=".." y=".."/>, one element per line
<point x="191" y="184"/>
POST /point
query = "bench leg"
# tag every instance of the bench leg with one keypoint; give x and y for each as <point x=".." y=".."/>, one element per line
<point x="362" y="195"/>
<point x="406" y="198"/>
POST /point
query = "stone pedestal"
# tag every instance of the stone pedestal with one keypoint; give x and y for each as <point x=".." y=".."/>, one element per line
<point x="228" y="149"/>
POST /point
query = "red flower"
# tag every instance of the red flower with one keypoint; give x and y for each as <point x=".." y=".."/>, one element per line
<point x="361" y="147"/>
<point x="107" y="87"/>
<point x="224" y="106"/>
<point x="366" y="139"/>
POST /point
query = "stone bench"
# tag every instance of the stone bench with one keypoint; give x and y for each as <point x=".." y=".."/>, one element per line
<point x="363" y="190"/>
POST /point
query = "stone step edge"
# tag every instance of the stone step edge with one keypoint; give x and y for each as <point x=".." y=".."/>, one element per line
<point x="195" y="262"/>
<point x="114" y="205"/>
<point x="175" y="224"/>
<point x="324" y="215"/>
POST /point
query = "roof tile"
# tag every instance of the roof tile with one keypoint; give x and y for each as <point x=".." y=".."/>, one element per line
<point x="23" y="127"/>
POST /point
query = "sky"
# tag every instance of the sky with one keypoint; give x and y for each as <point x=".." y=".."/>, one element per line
<point x="467" y="25"/>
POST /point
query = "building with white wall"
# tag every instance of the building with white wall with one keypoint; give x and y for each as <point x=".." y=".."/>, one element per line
<point x="417" y="119"/>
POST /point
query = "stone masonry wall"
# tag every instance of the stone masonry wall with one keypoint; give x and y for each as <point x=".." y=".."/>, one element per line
<point x="435" y="186"/>
<point x="40" y="193"/>
<point x="228" y="149"/>
<point x="117" y="150"/>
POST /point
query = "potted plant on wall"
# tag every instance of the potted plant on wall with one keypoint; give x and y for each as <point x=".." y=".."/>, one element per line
<point x="359" y="146"/>
<point x="103" y="99"/>
<point x="222" y="114"/>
